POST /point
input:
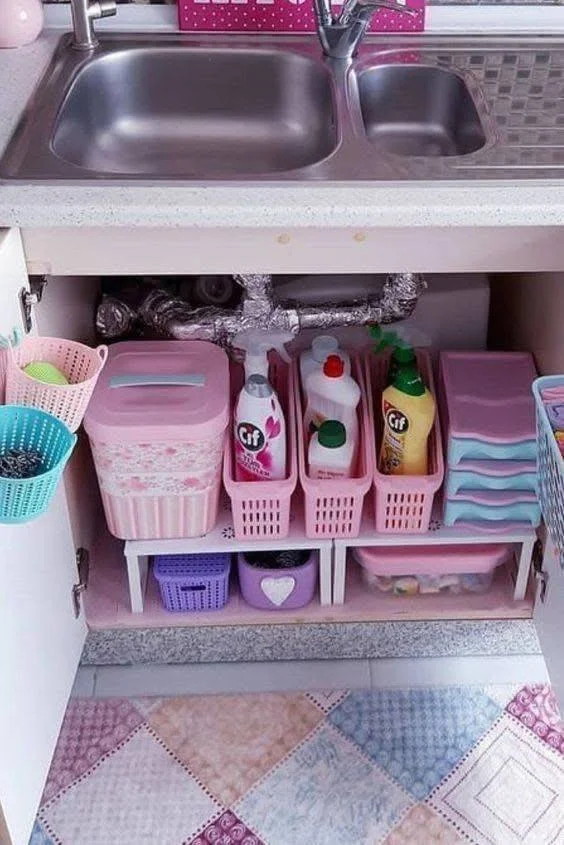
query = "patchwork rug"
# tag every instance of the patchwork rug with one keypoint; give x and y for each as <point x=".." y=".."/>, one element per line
<point x="437" y="766"/>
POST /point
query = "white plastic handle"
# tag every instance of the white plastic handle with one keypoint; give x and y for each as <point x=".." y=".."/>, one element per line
<point x="173" y="380"/>
<point x="102" y="353"/>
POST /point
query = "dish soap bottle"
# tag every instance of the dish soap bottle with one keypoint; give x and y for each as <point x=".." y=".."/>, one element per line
<point x="312" y="360"/>
<point x="259" y="427"/>
<point x="408" y="411"/>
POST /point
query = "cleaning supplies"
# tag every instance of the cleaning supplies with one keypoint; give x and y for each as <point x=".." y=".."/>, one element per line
<point x="312" y="360"/>
<point x="259" y="427"/>
<point x="330" y="453"/>
<point x="403" y="353"/>
<point x="259" y="431"/>
<point x="257" y="345"/>
<point x="408" y="411"/>
<point x="402" y="357"/>
<point x="332" y="395"/>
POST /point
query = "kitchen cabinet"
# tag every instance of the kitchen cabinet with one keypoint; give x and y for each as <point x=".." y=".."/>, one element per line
<point x="41" y="628"/>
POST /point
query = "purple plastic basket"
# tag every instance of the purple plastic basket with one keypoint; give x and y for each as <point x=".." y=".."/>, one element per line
<point x="193" y="582"/>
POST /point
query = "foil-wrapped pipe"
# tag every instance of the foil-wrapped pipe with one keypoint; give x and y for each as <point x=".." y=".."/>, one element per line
<point x="397" y="301"/>
<point x="114" y="318"/>
<point x="169" y="316"/>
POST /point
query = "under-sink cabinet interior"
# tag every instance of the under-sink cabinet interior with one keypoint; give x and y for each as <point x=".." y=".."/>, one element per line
<point x="508" y="312"/>
<point x="65" y="579"/>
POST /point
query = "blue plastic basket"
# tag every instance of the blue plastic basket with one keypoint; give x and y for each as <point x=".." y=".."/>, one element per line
<point x="29" y="428"/>
<point x="551" y="466"/>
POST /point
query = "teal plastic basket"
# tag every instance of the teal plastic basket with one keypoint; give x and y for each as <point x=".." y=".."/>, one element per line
<point x="29" y="428"/>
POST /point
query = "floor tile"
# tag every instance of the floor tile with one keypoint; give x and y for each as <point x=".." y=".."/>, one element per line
<point x="84" y="682"/>
<point x="502" y="693"/>
<point x="417" y="736"/>
<point x="91" y="729"/>
<point x="229" y="742"/>
<point x="536" y="707"/>
<point x="227" y="830"/>
<point x="139" y="795"/>
<point x="423" y="826"/>
<point x="508" y="791"/>
<point x="325" y="792"/>
<point x="231" y="678"/>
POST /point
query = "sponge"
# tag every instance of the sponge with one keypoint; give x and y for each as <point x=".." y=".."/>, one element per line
<point x="45" y="372"/>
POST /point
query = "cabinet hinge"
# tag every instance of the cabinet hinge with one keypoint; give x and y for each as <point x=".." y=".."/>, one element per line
<point x="540" y="575"/>
<point x="83" y="566"/>
<point x="29" y="298"/>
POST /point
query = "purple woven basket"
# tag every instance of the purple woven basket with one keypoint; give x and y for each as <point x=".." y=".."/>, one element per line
<point x="193" y="582"/>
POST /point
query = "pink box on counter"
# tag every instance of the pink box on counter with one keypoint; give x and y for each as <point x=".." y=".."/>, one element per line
<point x="157" y="423"/>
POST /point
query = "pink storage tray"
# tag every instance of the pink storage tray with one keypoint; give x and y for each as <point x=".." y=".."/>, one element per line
<point x="333" y="507"/>
<point x="488" y="395"/>
<point x="262" y="508"/>
<point x="402" y="503"/>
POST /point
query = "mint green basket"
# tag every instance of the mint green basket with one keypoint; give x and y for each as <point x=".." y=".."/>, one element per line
<point x="21" y="427"/>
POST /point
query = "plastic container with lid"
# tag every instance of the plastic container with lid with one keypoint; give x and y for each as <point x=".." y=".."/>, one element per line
<point x="431" y="569"/>
<point x="157" y="423"/>
<point x="331" y="453"/>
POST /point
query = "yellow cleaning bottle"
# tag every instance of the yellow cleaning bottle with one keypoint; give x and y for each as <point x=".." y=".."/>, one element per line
<point x="408" y="411"/>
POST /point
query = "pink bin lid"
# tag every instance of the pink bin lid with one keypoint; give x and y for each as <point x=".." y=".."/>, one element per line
<point x="146" y="410"/>
<point x="431" y="560"/>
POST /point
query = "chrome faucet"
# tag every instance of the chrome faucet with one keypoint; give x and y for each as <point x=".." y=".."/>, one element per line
<point x="84" y="12"/>
<point x="340" y="35"/>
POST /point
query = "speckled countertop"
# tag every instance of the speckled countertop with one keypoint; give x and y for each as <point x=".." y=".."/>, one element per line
<point x="408" y="204"/>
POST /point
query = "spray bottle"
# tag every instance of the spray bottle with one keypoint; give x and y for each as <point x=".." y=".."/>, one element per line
<point x="259" y="427"/>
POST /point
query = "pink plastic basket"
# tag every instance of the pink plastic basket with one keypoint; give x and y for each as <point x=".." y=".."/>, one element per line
<point x="401" y="503"/>
<point x="262" y="508"/>
<point x="79" y="363"/>
<point x="333" y="507"/>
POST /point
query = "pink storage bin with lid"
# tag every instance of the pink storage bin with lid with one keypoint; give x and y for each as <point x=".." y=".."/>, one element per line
<point x="157" y="423"/>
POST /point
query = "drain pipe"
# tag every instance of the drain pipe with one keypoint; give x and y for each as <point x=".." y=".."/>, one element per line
<point x="171" y="317"/>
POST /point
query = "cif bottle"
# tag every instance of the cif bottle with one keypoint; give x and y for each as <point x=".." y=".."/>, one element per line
<point x="408" y="412"/>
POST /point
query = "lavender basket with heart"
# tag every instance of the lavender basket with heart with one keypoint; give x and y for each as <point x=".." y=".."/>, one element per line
<point x="282" y="580"/>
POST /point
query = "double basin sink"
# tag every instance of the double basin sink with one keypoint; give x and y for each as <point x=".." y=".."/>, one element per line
<point x="179" y="108"/>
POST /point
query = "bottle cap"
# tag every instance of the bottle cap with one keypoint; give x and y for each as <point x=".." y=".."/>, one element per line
<point x="404" y="355"/>
<point x="409" y="381"/>
<point x="334" y="366"/>
<point x="258" y="386"/>
<point x="322" y="346"/>
<point x="332" y="434"/>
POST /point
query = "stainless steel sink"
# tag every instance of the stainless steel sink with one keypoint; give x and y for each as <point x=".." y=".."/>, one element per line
<point x="180" y="108"/>
<point x="193" y="112"/>
<point x="417" y="110"/>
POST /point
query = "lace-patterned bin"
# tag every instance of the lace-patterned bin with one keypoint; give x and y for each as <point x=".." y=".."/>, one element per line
<point x="156" y="424"/>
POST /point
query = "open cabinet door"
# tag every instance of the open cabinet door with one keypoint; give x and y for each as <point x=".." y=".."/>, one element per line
<point x="41" y="638"/>
<point x="549" y="616"/>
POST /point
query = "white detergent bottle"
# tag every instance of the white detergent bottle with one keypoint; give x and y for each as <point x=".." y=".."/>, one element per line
<point x="332" y="395"/>
<point x="259" y="432"/>
<point x="312" y="359"/>
<point x="259" y="427"/>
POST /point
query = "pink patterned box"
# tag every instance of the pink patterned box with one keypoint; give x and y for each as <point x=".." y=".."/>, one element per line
<point x="281" y="16"/>
<point x="157" y="423"/>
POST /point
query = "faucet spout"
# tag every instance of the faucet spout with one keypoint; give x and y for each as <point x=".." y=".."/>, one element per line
<point x="84" y="12"/>
<point x="341" y="35"/>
